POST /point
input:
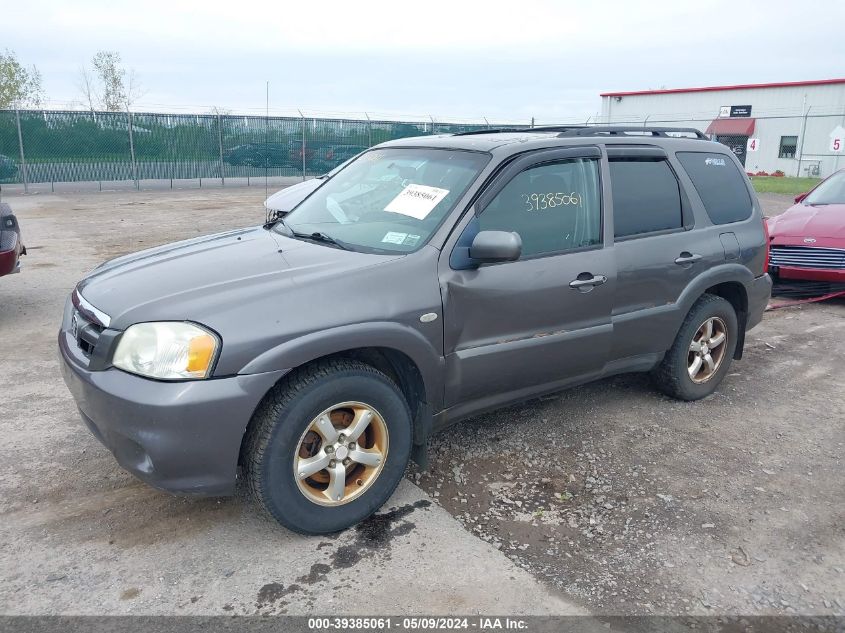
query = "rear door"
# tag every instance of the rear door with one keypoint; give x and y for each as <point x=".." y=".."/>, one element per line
<point x="657" y="253"/>
<point x="511" y="328"/>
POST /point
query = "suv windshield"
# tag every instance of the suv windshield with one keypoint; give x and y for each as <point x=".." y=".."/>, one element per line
<point x="386" y="200"/>
<point x="831" y="191"/>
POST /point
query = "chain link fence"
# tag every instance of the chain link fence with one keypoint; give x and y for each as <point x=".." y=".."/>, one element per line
<point x="74" y="146"/>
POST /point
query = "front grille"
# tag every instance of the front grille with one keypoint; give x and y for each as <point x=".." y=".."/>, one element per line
<point x="808" y="257"/>
<point x="85" y="332"/>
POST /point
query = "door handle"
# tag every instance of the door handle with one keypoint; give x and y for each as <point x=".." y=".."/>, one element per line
<point x="687" y="258"/>
<point x="596" y="280"/>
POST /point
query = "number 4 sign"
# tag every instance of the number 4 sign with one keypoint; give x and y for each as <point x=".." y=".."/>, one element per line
<point x="837" y="139"/>
<point x="753" y="145"/>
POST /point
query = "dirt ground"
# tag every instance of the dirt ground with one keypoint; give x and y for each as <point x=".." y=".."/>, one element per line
<point x="609" y="497"/>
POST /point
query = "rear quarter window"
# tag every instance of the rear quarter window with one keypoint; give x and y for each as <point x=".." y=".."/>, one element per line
<point x="719" y="184"/>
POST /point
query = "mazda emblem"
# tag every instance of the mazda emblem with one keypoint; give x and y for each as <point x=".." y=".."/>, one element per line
<point x="809" y="240"/>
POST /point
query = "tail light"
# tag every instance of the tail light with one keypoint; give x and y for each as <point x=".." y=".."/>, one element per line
<point x="767" y="243"/>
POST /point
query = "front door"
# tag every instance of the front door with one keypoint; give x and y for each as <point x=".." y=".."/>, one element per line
<point x="513" y="328"/>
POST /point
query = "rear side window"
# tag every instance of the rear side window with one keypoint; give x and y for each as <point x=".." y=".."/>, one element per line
<point x="646" y="197"/>
<point x="719" y="184"/>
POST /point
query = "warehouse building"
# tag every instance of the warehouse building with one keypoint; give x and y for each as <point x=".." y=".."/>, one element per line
<point x="797" y="128"/>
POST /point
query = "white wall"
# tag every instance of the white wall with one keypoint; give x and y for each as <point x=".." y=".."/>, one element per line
<point x="777" y="111"/>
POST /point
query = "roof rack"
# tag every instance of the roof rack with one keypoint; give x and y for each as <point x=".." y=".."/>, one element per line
<point x="599" y="130"/>
<point x="544" y="128"/>
<point x="556" y="128"/>
<point x="500" y="130"/>
<point x="632" y="130"/>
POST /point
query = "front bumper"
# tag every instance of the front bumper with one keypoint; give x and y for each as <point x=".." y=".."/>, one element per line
<point x="182" y="437"/>
<point x="831" y="275"/>
<point x="759" y="294"/>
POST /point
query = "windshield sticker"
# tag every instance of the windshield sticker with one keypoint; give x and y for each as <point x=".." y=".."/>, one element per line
<point x="411" y="240"/>
<point x="394" y="238"/>
<point x="718" y="162"/>
<point x="417" y="201"/>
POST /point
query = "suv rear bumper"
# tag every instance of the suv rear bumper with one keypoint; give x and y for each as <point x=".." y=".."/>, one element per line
<point x="759" y="294"/>
<point x="182" y="437"/>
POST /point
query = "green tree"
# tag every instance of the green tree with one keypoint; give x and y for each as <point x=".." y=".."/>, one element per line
<point x="110" y="72"/>
<point x="109" y="85"/>
<point x="19" y="86"/>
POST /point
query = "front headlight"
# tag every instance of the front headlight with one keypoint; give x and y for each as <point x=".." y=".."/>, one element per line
<point x="167" y="351"/>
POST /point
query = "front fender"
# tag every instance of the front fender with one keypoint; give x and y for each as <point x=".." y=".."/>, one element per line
<point x="299" y="351"/>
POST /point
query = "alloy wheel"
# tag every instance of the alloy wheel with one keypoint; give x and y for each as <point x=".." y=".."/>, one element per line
<point x="341" y="453"/>
<point x="707" y="350"/>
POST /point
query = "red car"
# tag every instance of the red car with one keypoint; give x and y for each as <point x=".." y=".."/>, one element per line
<point x="11" y="247"/>
<point x="807" y="242"/>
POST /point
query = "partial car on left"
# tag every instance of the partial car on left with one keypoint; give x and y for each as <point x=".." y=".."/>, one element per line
<point x="11" y="247"/>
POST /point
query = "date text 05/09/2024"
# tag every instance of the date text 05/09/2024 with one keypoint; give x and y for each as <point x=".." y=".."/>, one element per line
<point x="479" y="623"/>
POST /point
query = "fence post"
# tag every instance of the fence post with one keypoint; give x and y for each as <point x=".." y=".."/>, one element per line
<point x="220" y="147"/>
<point x="132" y="147"/>
<point x="369" y="130"/>
<point x="303" y="144"/>
<point x="532" y="121"/>
<point x="432" y="124"/>
<point x="20" y="148"/>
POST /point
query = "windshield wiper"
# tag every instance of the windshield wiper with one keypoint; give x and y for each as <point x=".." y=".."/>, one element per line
<point x="320" y="237"/>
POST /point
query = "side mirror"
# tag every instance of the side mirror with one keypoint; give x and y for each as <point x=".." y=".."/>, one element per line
<point x="496" y="246"/>
<point x="800" y="197"/>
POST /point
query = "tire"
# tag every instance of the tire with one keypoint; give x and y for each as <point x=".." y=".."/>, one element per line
<point x="673" y="375"/>
<point x="282" y="429"/>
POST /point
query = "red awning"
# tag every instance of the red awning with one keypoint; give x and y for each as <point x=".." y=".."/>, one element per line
<point x="731" y="127"/>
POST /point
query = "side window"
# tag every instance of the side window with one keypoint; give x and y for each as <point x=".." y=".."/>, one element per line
<point x="646" y="197"/>
<point x="554" y="207"/>
<point x="719" y="184"/>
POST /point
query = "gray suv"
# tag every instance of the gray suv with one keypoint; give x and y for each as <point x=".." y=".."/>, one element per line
<point x="429" y="280"/>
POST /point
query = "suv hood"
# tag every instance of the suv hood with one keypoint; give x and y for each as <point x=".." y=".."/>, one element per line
<point x="195" y="279"/>
<point x="803" y="220"/>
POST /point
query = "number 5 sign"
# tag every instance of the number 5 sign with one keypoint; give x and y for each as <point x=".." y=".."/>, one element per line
<point x="837" y="139"/>
<point x="753" y="145"/>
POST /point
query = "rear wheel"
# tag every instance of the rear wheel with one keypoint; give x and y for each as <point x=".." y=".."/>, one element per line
<point x="701" y="354"/>
<point x="328" y="446"/>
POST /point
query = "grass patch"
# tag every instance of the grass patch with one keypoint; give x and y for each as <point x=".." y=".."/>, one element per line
<point x="785" y="184"/>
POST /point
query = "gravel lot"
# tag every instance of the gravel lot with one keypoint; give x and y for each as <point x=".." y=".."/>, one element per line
<point x="609" y="497"/>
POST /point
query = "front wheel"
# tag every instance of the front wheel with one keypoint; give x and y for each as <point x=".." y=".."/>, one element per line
<point x="328" y="446"/>
<point x="701" y="354"/>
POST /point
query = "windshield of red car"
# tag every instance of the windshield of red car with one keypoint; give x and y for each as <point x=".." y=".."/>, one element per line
<point x="831" y="191"/>
<point x="387" y="200"/>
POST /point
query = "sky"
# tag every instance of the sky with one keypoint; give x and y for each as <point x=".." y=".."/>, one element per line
<point x="455" y="60"/>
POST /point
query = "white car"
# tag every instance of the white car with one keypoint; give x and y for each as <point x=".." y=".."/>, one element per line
<point x="282" y="202"/>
